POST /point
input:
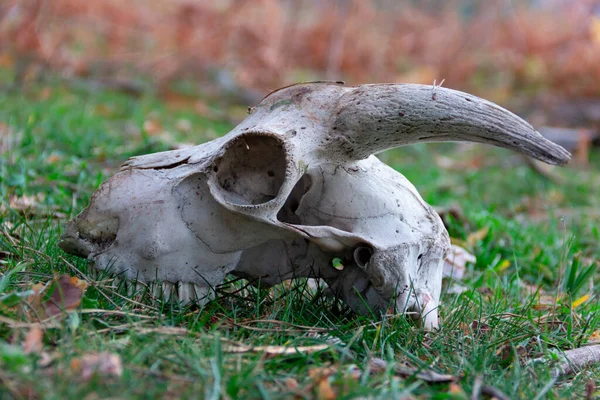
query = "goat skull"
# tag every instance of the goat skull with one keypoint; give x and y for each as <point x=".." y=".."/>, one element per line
<point x="290" y="188"/>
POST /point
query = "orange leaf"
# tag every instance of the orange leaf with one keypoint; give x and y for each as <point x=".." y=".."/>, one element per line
<point x="101" y="364"/>
<point x="67" y="295"/>
<point x="33" y="340"/>
<point x="478" y="236"/>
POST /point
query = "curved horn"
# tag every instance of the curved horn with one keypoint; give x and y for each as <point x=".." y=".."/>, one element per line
<point x="372" y="118"/>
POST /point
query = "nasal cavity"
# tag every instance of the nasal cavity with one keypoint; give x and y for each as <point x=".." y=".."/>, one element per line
<point x="252" y="169"/>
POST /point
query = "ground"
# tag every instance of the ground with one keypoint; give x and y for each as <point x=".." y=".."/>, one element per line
<point x="532" y="293"/>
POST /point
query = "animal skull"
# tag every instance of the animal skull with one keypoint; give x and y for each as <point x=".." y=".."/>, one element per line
<point x="292" y="187"/>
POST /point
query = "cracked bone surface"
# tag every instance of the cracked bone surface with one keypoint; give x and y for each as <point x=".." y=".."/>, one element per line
<point x="290" y="188"/>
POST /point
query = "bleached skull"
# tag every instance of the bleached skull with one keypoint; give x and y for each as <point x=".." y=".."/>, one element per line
<point x="292" y="187"/>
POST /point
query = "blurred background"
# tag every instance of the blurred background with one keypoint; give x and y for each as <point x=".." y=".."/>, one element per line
<point x="496" y="48"/>
<point x="540" y="57"/>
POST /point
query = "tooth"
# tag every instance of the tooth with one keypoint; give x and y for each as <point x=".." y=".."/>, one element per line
<point x="203" y="294"/>
<point x="140" y="287"/>
<point x="156" y="289"/>
<point x="185" y="292"/>
<point x="116" y="282"/>
<point x="167" y="290"/>
<point x="130" y="288"/>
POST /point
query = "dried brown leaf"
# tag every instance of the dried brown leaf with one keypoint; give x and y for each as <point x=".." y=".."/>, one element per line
<point x="594" y="337"/>
<point x="508" y="353"/>
<point x="152" y="127"/>
<point x="24" y="203"/>
<point x="480" y="327"/>
<point x="325" y="391"/>
<point x="66" y="295"/>
<point x="456" y="391"/>
<point x="466" y="329"/>
<point x="322" y="384"/>
<point x="455" y="263"/>
<point x="477" y="236"/>
<point x="103" y="364"/>
<point x="291" y="383"/>
<point x="33" y="340"/>
<point x="45" y="359"/>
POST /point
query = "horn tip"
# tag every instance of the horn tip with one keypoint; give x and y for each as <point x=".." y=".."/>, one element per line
<point x="559" y="157"/>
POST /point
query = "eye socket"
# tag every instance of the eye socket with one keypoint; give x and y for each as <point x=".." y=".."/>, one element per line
<point x="362" y="255"/>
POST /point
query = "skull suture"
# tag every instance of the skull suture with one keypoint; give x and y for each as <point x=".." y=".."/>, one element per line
<point x="292" y="187"/>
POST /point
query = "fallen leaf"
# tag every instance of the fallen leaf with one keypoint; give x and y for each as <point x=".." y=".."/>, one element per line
<point x="508" y="353"/>
<point x="321" y="372"/>
<point x="291" y="383"/>
<point x="184" y="125"/>
<point x="456" y="391"/>
<point x="23" y="203"/>
<point x="45" y="359"/>
<point x="33" y="340"/>
<point x="580" y="301"/>
<point x="152" y="127"/>
<point x="594" y="337"/>
<point x="65" y="294"/>
<point x="53" y="158"/>
<point x="455" y="263"/>
<point x="502" y="265"/>
<point x="466" y="330"/>
<point x="321" y="376"/>
<point x="325" y="391"/>
<point x="477" y="236"/>
<point x="480" y="327"/>
<point x="101" y="364"/>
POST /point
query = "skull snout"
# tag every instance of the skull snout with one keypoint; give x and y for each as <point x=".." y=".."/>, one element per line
<point x="89" y="232"/>
<point x="400" y="278"/>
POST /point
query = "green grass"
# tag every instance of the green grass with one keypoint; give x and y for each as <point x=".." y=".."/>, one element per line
<point x="58" y="142"/>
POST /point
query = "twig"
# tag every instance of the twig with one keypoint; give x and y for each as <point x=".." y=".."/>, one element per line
<point x="574" y="360"/>
<point x="494" y="393"/>
<point x="165" y="330"/>
<point x="434" y="91"/>
<point x="48" y="323"/>
<point x="115" y="312"/>
<point x="165" y="376"/>
<point x="120" y="328"/>
<point x="476" y="393"/>
<point x="276" y="322"/>
<point x="426" y="375"/>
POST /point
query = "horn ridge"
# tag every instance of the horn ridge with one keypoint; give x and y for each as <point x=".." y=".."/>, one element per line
<point x="373" y="118"/>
